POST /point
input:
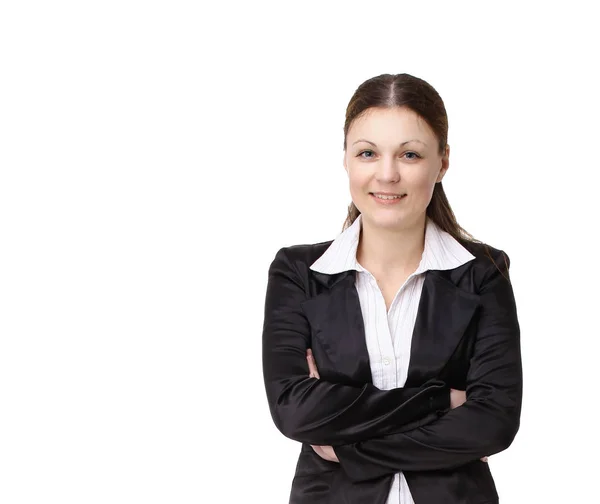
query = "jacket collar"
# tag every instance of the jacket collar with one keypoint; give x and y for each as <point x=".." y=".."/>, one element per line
<point x="441" y="251"/>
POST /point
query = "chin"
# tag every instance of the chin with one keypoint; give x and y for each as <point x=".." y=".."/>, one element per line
<point x="386" y="219"/>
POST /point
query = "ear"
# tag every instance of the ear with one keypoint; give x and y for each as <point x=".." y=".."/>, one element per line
<point x="445" y="164"/>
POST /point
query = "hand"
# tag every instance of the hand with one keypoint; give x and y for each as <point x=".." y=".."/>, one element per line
<point x="458" y="398"/>
<point x="326" y="452"/>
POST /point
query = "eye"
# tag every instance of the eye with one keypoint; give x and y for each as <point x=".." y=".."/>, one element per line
<point x="414" y="154"/>
<point x="362" y="152"/>
<point x="410" y="152"/>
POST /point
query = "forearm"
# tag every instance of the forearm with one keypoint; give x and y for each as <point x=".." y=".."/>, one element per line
<point x="318" y="412"/>
<point x="467" y="433"/>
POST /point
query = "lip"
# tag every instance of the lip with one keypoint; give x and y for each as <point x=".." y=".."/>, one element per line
<point x="394" y="201"/>
<point x="383" y="193"/>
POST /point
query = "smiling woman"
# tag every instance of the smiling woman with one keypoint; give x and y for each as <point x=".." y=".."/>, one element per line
<point x="392" y="353"/>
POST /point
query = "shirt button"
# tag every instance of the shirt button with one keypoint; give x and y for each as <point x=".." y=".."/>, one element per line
<point x="386" y="361"/>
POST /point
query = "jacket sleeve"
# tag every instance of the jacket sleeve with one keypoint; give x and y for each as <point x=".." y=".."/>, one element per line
<point x="316" y="411"/>
<point x="484" y="425"/>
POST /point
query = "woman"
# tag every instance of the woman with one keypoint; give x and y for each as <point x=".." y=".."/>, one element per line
<point x="392" y="353"/>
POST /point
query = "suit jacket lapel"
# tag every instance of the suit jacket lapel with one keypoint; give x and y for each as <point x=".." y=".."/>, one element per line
<point x="336" y="319"/>
<point x="444" y="314"/>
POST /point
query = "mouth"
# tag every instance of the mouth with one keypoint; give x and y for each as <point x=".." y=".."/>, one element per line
<point x="387" y="198"/>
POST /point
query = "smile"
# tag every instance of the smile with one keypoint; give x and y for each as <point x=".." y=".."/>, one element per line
<point x="388" y="200"/>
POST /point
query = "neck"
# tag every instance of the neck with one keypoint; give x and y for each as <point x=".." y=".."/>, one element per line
<point x="391" y="251"/>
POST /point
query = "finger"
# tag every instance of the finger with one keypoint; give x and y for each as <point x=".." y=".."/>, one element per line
<point x="333" y="455"/>
<point x="323" y="452"/>
<point x="484" y="459"/>
<point x="312" y="366"/>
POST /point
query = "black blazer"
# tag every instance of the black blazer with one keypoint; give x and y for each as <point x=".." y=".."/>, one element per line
<point x="466" y="337"/>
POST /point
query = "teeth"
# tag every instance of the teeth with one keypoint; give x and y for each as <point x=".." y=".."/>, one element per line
<point x="386" y="197"/>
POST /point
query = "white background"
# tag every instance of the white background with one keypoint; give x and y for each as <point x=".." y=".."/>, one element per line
<point x="154" y="157"/>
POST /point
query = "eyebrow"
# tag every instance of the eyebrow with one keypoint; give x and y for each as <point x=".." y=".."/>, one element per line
<point x="403" y="143"/>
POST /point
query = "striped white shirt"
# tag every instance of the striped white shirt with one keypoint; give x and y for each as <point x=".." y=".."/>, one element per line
<point x="389" y="333"/>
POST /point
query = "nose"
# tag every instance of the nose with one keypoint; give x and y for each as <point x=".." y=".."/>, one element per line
<point x="387" y="170"/>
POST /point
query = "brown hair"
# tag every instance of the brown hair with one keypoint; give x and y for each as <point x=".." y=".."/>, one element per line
<point x="405" y="90"/>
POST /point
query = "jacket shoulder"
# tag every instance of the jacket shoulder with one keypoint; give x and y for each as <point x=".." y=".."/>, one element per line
<point x="295" y="261"/>
<point x="486" y="255"/>
<point x="301" y="256"/>
<point x="489" y="263"/>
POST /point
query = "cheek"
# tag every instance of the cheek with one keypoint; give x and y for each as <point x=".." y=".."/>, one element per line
<point x="357" y="182"/>
<point x="422" y="186"/>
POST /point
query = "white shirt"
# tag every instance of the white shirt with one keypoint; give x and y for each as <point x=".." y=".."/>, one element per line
<point x="389" y="334"/>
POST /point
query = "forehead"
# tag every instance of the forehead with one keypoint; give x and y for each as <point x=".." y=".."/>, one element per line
<point x="389" y="123"/>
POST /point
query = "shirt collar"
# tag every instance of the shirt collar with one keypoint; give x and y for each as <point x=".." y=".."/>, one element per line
<point x="441" y="251"/>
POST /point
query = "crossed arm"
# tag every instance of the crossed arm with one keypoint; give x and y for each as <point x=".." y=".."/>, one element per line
<point x="375" y="432"/>
<point x="457" y="398"/>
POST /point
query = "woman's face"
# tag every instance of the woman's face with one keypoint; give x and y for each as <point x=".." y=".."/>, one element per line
<point x="394" y="151"/>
